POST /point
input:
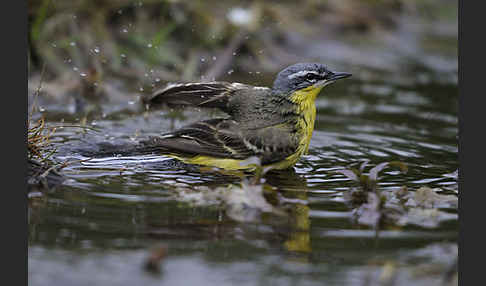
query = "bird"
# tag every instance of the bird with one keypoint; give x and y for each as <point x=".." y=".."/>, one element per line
<point x="274" y="124"/>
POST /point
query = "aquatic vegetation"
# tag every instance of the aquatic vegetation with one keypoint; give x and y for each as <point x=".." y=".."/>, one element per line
<point x="244" y="202"/>
<point x="379" y="209"/>
<point x="368" y="183"/>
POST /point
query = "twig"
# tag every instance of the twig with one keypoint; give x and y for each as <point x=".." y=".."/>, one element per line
<point x="226" y="57"/>
<point x="37" y="92"/>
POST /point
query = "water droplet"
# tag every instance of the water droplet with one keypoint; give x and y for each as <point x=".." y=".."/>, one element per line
<point x="231" y="71"/>
<point x="240" y="16"/>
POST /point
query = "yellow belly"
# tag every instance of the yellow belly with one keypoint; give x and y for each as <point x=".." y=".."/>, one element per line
<point x="223" y="163"/>
<point x="235" y="164"/>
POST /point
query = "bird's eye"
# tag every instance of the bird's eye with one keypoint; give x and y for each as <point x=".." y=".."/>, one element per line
<point x="310" y="77"/>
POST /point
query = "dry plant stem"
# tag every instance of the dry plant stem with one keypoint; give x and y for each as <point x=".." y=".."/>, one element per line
<point x="43" y="175"/>
<point x="37" y="92"/>
<point x="226" y="57"/>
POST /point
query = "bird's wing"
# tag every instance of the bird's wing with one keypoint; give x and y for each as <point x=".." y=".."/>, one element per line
<point x="206" y="94"/>
<point x="212" y="137"/>
<point x="220" y="138"/>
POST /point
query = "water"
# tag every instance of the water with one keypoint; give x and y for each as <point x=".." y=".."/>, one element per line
<point x="100" y="226"/>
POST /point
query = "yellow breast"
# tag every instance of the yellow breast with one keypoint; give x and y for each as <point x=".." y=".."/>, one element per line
<point x="305" y="100"/>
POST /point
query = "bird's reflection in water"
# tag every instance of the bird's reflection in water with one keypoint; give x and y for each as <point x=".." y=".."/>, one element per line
<point x="286" y="191"/>
<point x="292" y="192"/>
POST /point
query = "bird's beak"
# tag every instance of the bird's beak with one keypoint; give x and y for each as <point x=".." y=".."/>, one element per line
<point x="333" y="76"/>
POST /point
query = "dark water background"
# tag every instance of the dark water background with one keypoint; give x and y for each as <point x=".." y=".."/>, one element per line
<point x="100" y="225"/>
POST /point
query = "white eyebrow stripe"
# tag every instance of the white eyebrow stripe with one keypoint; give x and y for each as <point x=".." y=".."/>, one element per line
<point x="301" y="73"/>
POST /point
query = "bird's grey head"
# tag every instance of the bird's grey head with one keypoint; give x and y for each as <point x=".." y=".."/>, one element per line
<point x="302" y="75"/>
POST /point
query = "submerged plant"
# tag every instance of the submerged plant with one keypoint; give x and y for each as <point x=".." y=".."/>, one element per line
<point x="376" y="208"/>
<point x="367" y="201"/>
<point x="368" y="182"/>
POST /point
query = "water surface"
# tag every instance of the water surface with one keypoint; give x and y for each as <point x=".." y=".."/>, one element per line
<point x="100" y="226"/>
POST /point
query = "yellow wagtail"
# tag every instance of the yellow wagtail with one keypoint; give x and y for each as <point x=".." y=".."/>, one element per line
<point x="274" y="124"/>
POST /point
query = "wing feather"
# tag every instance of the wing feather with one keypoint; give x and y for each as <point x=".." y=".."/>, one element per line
<point x="217" y="94"/>
<point x="202" y="138"/>
<point x="209" y="94"/>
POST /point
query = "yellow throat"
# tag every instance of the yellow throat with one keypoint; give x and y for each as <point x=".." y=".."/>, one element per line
<point x="305" y="100"/>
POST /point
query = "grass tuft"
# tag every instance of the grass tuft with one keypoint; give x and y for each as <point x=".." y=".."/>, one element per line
<point x="38" y="143"/>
